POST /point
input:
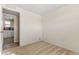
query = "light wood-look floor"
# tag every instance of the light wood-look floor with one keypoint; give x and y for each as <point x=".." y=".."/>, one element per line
<point x="38" y="48"/>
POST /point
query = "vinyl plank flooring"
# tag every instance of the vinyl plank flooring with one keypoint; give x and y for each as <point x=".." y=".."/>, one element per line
<point x="38" y="48"/>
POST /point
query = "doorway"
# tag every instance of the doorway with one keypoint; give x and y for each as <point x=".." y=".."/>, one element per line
<point x="10" y="29"/>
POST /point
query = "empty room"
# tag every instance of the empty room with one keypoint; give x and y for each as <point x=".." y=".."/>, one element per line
<point x="39" y="29"/>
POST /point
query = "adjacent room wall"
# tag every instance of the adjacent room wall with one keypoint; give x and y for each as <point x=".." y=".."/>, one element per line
<point x="61" y="27"/>
<point x="8" y="33"/>
<point x="30" y="25"/>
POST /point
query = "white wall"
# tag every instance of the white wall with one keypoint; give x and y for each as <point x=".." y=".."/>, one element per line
<point x="30" y="25"/>
<point x="61" y="27"/>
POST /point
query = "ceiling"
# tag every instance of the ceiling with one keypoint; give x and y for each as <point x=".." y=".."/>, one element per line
<point x="40" y="9"/>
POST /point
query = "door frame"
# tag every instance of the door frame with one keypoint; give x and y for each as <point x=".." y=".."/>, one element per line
<point x="18" y="23"/>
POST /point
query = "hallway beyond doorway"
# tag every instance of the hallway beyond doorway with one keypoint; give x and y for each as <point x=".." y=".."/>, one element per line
<point x="9" y="43"/>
